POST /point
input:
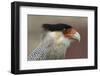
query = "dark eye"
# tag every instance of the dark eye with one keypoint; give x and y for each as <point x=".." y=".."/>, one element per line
<point x="66" y="31"/>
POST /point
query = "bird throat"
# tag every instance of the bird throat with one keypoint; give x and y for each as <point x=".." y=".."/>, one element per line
<point x="60" y="46"/>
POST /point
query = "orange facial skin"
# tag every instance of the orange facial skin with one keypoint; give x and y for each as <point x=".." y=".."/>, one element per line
<point x="69" y="33"/>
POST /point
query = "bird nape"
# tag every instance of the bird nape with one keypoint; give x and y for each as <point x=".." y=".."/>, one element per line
<point x="55" y="42"/>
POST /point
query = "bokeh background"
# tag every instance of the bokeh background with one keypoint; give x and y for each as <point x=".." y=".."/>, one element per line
<point x="76" y="50"/>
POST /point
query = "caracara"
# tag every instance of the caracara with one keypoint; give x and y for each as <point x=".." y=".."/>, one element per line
<point x="56" y="40"/>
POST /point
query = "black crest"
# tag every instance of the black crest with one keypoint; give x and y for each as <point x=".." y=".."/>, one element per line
<point x="56" y="27"/>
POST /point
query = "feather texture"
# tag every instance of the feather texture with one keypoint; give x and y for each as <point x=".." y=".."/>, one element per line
<point x="52" y="46"/>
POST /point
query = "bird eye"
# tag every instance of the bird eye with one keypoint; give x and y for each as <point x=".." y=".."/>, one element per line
<point x="67" y="31"/>
<point x="64" y="29"/>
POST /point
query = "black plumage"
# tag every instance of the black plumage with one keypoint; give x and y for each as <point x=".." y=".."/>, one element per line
<point x="56" y="27"/>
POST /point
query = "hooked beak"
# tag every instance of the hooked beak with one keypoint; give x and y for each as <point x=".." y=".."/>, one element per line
<point x="72" y="34"/>
<point x="76" y="36"/>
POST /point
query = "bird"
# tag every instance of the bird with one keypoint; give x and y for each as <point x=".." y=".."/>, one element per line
<point x="54" y="42"/>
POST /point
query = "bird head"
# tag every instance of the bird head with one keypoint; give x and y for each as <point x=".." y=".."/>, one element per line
<point x="62" y="32"/>
<point x="72" y="34"/>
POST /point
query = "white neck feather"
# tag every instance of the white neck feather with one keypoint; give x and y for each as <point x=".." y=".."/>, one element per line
<point x="60" y="45"/>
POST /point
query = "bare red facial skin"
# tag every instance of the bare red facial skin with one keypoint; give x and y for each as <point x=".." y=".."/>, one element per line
<point x="69" y="32"/>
